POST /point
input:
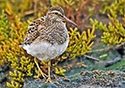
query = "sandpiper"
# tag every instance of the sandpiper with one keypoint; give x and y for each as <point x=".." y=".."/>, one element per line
<point x="47" y="37"/>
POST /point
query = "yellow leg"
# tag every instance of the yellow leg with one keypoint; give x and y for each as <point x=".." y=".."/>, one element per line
<point x="43" y="74"/>
<point x="49" y="78"/>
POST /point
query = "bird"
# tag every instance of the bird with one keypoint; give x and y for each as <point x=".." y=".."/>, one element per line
<point x="47" y="37"/>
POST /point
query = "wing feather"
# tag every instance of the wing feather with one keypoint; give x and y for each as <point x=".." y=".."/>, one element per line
<point x="32" y="32"/>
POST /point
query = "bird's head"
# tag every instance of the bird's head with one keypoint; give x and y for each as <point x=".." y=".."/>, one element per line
<point x="57" y="14"/>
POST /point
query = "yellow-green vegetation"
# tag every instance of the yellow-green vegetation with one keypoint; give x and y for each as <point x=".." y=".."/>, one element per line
<point x="117" y="7"/>
<point x="12" y="33"/>
<point x="21" y="7"/>
<point x="60" y="71"/>
<point x="79" y="43"/>
<point x="79" y="11"/>
<point x="22" y="68"/>
<point x="13" y="29"/>
<point x="114" y="31"/>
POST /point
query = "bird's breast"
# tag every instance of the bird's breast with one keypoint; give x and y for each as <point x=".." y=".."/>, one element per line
<point x="45" y="50"/>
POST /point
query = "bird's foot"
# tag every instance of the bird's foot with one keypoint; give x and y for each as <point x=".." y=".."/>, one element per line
<point x="49" y="80"/>
<point x="43" y="74"/>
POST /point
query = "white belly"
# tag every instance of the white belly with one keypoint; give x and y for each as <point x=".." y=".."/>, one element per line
<point x="44" y="50"/>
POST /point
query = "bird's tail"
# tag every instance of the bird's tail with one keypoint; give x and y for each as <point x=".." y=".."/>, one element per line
<point x="21" y="45"/>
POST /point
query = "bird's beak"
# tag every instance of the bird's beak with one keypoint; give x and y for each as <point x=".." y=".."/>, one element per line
<point x="68" y="20"/>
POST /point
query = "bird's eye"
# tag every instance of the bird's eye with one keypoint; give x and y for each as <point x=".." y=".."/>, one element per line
<point x="56" y="13"/>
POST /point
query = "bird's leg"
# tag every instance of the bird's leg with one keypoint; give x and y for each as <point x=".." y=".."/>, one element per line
<point x="49" y="78"/>
<point x="39" y="70"/>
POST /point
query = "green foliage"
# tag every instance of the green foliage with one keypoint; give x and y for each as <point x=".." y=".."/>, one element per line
<point x="60" y="71"/>
<point x="104" y="55"/>
<point x="79" y="44"/>
<point x="23" y="69"/>
<point x="117" y="7"/>
<point x="114" y="33"/>
<point x="78" y="10"/>
<point x="3" y="27"/>
<point x="21" y="5"/>
<point x="3" y="36"/>
<point x="12" y="33"/>
<point x="13" y="30"/>
<point x="14" y="84"/>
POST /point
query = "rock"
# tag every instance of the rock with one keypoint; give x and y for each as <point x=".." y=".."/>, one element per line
<point x="2" y="77"/>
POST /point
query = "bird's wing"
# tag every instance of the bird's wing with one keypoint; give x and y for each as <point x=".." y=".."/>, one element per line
<point x="32" y="32"/>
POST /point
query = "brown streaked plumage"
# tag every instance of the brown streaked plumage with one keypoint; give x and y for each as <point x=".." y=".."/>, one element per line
<point x="47" y="37"/>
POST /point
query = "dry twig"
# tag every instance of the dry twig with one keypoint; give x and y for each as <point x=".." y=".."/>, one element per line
<point x="92" y="58"/>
